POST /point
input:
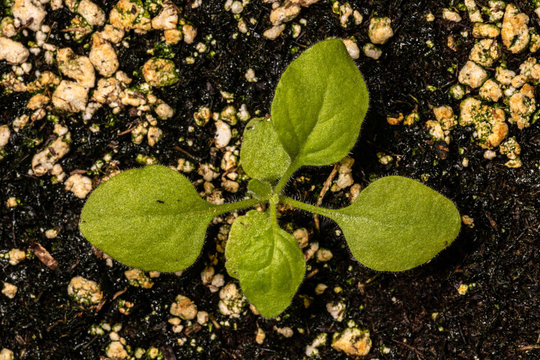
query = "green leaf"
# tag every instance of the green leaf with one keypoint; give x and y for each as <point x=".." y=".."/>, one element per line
<point x="150" y="218"/>
<point x="319" y="105"/>
<point x="397" y="223"/>
<point x="266" y="260"/>
<point x="260" y="189"/>
<point x="262" y="156"/>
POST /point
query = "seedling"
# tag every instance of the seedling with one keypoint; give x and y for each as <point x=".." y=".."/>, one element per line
<point x="152" y="218"/>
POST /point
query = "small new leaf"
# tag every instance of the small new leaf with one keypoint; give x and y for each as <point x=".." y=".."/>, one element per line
<point x="266" y="260"/>
<point x="319" y="104"/>
<point x="397" y="223"/>
<point x="150" y="218"/>
<point x="260" y="189"/>
<point x="262" y="156"/>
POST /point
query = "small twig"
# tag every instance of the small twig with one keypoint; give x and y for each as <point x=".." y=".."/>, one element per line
<point x="118" y="293"/>
<point x="461" y="333"/>
<point x="216" y="324"/>
<point x="410" y="348"/>
<point x="100" y="305"/>
<point x="195" y="328"/>
<point x="130" y="129"/>
<point x="20" y="339"/>
<point x="50" y="31"/>
<point x="77" y="171"/>
<point x="325" y="188"/>
<point x="44" y="256"/>
<point x="361" y="287"/>
<point x="85" y="345"/>
<point x="25" y="26"/>
<point x="186" y="153"/>
<point x="492" y="222"/>
<point x="372" y="278"/>
<point x="528" y="347"/>
<point x="74" y="29"/>
<point x="225" y="173"/>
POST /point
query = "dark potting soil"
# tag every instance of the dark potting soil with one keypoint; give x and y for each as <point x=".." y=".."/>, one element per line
<point x="417" y="314"/>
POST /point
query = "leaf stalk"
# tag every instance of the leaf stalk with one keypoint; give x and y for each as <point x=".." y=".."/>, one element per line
<point x="225" y="208"/>
<point x="303" y="206"/>
<point x="286" y="177"/>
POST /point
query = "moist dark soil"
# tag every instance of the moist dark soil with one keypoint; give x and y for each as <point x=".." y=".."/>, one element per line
<point x="417" y="314"/>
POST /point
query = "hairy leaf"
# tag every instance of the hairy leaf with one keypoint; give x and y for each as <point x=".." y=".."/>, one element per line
<point x="319" y="105"/>
<point x="262" y="156"/>
<point x="397" y="223"/>
<point x="266" y="260"/>
<point x="259" y="189"/>
<point x="150" y="218"/>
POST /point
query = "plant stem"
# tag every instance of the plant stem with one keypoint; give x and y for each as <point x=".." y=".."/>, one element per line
<point x="300" y="205"/>
<point x="274" y="200"/>
<point x="225" y="208"/>
<point x="286" y="176"/>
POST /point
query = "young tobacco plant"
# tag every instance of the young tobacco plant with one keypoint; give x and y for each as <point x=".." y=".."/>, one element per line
<point x="152" y="218"/>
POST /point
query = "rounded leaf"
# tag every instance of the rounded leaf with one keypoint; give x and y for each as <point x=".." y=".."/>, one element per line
<point x="262" y="156"/>
<point x="150" y="218"/>
<point x="259" y="189"/>
<point x="266" y="260"/>
<point x="319" y="105"/>
<point x="397" y="223"/>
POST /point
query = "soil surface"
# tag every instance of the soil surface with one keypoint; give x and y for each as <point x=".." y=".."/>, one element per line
<point x="417" y="314"/>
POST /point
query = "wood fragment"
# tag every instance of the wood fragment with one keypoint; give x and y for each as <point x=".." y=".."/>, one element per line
<point x="50" y="31"/>
<point x="185" y="152"/>
<point x="130" y="129"/>
<point x="100" y="305"/>
<point x="77" y="171"/>
<point x="216" y="324"/>
<point x="415" y="350"/>
<point x="195" y="328"/>
<point x="20" y="339"/>
<point x="492" y="222"/>
<point x="74" y="29"/>
<point x="371" y="279"/>
<point x="118" y="293"/>
<point x="25" y="26"/>
<point x="528" y="347"/>
<point x="361" y="288"/>
<point x="313" y="273"/>
<point x="324" y="190"/>
<point x="44" y="256"/>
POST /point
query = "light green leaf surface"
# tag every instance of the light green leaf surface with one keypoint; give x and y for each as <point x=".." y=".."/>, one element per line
<point x="261" y="155"/>
<point x="260" y="189"/>
<point x="397" y="223"/>
<point x="266" y="260"/>
<point x="319" y="105"/>
<point x="150" y="218"/>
